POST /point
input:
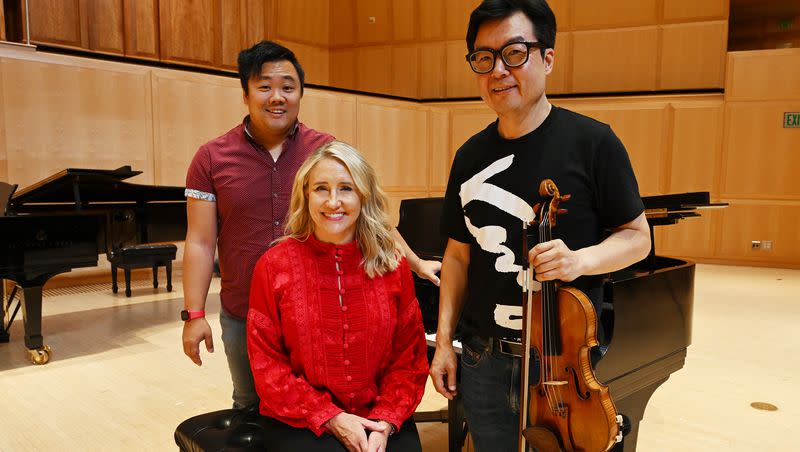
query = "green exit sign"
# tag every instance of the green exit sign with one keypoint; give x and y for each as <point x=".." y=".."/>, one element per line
<point x="791" y="120"/>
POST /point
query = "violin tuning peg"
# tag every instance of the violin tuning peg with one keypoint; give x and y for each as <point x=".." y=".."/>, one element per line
<point x="562" y="211"/>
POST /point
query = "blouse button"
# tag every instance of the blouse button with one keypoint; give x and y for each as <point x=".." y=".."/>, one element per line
<point x="346" y="346"/>
<point x="347" y="362"/>
<point x="344" y="308"/>
<point x="338" y="251"/>
<point x="341" y="291"/>
<point x="340" y="272"/>
<point x="352" y="395"/>
<point x="345" y="327"/>
<point x="349" y="378"/>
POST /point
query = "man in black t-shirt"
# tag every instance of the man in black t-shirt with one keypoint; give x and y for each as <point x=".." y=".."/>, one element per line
<point x="493" y="185"/>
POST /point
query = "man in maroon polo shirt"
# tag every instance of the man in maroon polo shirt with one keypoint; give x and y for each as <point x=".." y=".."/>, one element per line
<point x="238" y="188"/>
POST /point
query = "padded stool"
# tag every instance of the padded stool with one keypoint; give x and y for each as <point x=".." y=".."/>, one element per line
<point x="224" y="430"/>
<point x="142" y="256"/>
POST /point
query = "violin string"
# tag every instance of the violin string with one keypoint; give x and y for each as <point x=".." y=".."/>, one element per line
<point x="555" y="362"/>
<point x="554" y="300"/>
<point x="544" y="360"/>
<point x="547" y="364"/>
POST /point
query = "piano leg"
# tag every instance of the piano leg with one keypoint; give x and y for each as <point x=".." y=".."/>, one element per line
<point x="633" y="407"/>
<point x="31" y="300"/>
<point x="155" y="276"/>
<point x="127" y="281"/>
<point x="5" y="306"/>
<point x="114" y="287"/>
<point x="169" y="276"/>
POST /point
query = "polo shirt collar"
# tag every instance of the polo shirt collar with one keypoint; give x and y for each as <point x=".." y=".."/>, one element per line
<point x="250" y="138"/>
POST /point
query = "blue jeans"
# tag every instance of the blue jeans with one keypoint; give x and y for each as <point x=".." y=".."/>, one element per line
<point x="234" y="339"/>
<point x="490" y="382"/>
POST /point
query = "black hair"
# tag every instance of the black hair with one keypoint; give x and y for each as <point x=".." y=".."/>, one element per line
<point x="251" y="60"/>
<point x="537" y="11"/>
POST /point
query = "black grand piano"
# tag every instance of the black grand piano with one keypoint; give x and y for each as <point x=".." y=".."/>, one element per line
<point x="646" y="315"/>
<point x="64" y="222"/>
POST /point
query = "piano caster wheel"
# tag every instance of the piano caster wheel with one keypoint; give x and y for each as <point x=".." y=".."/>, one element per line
<point x="115" y="289"/>
<point x="40" y="355"/>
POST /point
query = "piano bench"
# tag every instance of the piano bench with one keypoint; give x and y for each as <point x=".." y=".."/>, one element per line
<point x="232" y="429"/>
<point x="142" y="256"/>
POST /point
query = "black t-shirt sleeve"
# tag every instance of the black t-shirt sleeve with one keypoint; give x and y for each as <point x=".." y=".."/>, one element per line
<point x="617" y="191"/>
<point x="452" y="222"/>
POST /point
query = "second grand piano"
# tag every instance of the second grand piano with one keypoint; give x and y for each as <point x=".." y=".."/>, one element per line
<point x="64" y="222"/>
<point x="647" y="308"/>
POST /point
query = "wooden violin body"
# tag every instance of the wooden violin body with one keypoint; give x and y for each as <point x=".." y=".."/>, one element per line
<point x="568" y="400"/>
<point x="568" y="409"/>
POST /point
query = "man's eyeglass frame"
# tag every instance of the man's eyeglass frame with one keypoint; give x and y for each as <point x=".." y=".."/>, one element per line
<point x="499" y="53"/>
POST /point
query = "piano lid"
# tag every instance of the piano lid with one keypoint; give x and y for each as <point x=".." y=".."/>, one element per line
<point x="419" y="218"/>
<point x="669" y="209"/>
<point x="419" y="226"/>
<point x="80" y="185"/>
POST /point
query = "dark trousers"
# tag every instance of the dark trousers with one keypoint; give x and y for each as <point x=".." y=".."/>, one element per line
<point x="490" y="391"/>
<point x="285" y="438"/>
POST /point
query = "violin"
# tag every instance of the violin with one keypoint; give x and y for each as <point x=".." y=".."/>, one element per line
<point x="567" y="409"/>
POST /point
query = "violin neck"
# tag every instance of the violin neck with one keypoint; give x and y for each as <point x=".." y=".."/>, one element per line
<point x="551" y="325"/>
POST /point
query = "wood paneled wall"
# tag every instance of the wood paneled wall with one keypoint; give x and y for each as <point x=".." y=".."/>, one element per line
<point x="612" y="46"/>
<point x="141" y="31"/>
<point x="3" y="126"/>
<point x="203" y="33"/>
<point x="74" y="114"/>
<point x="408" y="48"/>
<point x="759" y="172"/>
<point x="58" y="111"/>
<point x="2" y="22"/>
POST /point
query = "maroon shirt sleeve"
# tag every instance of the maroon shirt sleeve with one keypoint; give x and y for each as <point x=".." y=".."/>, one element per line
<point x="403" y="382"/>
<point x="198" y="177"/>
<point x="284" y="396"/>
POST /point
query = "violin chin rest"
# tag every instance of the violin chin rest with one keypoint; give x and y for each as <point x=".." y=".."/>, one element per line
<point x="540" y="439"/>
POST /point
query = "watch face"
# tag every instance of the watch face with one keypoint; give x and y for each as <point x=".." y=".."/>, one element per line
<point x="184" y="315"/>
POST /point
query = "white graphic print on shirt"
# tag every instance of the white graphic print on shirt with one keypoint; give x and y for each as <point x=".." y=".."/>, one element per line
<point x="492" y="238"/>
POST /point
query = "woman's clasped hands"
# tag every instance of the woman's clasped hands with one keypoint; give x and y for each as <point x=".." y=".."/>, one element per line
<point x="359" y="434"/>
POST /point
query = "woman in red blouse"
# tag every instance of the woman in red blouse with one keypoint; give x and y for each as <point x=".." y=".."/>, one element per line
<point x="334" y="330"/>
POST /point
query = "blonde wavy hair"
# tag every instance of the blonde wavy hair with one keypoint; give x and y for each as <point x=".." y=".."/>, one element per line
<point x="373" y="230"/>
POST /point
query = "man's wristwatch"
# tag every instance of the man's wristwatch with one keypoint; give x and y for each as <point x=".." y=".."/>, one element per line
<point x="191" y="315"/>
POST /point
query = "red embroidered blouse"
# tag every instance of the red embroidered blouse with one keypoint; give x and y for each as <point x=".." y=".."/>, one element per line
<point x="325" y="338"/>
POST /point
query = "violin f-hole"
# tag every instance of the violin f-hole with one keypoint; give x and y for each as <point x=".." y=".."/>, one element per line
<point x="582" y="394"/>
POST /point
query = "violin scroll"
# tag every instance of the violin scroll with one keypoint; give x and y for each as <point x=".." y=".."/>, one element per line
<point x="548" y="189"/>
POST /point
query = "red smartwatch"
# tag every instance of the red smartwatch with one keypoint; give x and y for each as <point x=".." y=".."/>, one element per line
<point x="191" y="315"/>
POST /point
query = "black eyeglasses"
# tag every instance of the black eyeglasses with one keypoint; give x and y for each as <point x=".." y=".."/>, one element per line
<point x="514" y="54"/>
